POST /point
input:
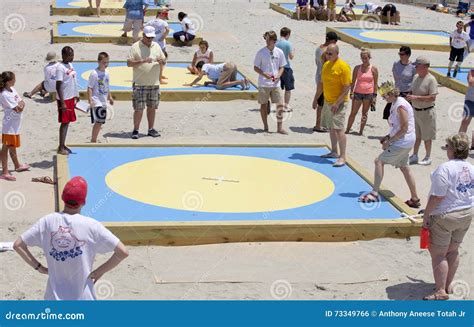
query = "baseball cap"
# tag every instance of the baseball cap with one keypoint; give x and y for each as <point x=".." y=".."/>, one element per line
<point x="332" y="36"/>
<point x="422" y="61"/>
<point x="50" y="56"/>
<point x="149" y="31"/>
<point x="75" y="192"/>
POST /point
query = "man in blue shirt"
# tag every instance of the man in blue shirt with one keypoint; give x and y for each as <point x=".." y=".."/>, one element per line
<point x="287" y="80"/>
<point x="135" y="12"/>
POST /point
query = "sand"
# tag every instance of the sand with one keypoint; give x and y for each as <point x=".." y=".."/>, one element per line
<point x="378" y="269"/>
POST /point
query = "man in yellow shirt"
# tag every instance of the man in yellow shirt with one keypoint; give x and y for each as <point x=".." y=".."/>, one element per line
<point x="146" y="58"/>
<point x="335" y="84"/>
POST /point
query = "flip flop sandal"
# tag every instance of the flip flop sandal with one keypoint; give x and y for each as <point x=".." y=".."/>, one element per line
<point x="369" y="198"/>
<point x="413" y="203"/>
<point x="27" y="95"/>
<point x="436" y="297"/>
<point x="320" y="130"/>
<point x="44" y="179"/>
<point x="9" y="178"/>
<point x="22" y="168"/>
<point x="337" y="165"/>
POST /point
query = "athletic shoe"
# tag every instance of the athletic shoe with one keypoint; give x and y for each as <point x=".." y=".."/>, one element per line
<point x="413" y="160"/>
<point x="135" y="135"/>
<point x="455" y="73"/>
<point x="425" y="162"/>
<point x="448" y="75"/>
<point x="153" y="133"/>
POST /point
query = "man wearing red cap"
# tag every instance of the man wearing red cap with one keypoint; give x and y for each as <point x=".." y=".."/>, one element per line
<point x="70" y="243"/>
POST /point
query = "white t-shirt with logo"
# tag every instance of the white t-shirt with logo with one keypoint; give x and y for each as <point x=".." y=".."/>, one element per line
<point x="455" y="181"/>
<point x="269" y="62"/>
<point x="160" y="28"/>
<point x="50" y="76"/>
<point x="190" y="29"/>
<point x="458" y="40"/>
<point x="408" y="140"/>
<point x="213" y="71"/>
<point x="11" y="118"/>
<point x="99" y="83"/>
<point x="67" y="75"/>
<point x="70" y="244"/>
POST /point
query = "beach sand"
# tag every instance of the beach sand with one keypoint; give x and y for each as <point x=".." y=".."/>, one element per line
<point x="378" y="269"/>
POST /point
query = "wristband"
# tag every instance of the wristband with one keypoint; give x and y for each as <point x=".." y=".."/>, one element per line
<point x="38" y="266"/>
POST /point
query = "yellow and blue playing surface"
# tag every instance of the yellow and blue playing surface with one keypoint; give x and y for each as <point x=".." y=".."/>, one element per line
<point x="391" y="36"/>
<point x="114" y="4"/>
<point x="194" y="183"/>
<point x="121" y="77"/>
<point x="292" y="7"/>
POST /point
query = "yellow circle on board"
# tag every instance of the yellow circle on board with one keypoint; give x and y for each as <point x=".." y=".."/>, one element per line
<point x="106" y="29"/>
<point x="406" y="37"/>
<point x="123" y="75"/>
<point x="104" y="4"/>
<point x="219" y="183"/>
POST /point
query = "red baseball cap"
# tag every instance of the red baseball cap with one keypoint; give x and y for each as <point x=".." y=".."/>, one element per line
<point x="75" y="192"/>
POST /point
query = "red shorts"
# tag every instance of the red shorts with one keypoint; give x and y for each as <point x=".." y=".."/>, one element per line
<point x="69" y="115"/>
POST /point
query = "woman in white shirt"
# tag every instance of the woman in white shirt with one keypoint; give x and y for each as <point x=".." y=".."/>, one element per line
<point x="396" y="145"/>
<point x="448" y="213"/>
<point x="204" y="54"/>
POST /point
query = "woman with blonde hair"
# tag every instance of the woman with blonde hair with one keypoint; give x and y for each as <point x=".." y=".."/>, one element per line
<point x="363" y="89"/>
<point x="448" y="213"/>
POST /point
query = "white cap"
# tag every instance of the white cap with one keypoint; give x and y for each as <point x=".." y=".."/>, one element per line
<point x="149" y="31"/>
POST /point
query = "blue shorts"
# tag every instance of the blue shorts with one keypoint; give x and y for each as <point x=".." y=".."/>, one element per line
<point x="287" y="80"/>
<point x="468" y="108"/>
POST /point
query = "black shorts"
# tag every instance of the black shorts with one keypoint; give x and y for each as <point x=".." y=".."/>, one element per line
<point x="287" y="80"/>
<point x="98" y="115"/>
<point x="386" y="110"/>
<point x="389" y="8"/>
<point x="321" y="100"/>
<point x="456" y="54"/>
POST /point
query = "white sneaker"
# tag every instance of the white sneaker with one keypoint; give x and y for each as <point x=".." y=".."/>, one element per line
<point x="425" y="162"/>
<point x="413" y="160"/>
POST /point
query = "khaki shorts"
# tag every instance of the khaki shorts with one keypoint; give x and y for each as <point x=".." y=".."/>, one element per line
<point x="450" y="227"/>
<point x="267" y="93"/>
<point x="229" y="74"/>
<point x="334" y="121"/>
<point x="395" y="156"/>
<point x="425" y="124"/>
<point x="133" y="24"/>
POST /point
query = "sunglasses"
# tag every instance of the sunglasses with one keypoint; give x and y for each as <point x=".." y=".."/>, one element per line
<point x="402" y="54"/>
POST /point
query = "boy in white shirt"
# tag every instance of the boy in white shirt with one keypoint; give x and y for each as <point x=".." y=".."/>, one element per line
<point x="459" y="40"/>
<point x="48" y="85"/>
<point x="269" y="64"/>
<point x="162" y="30"/>
<point x="67" y="96"/>
<point x="70" y="243"/>
<point x="98" y="93"/>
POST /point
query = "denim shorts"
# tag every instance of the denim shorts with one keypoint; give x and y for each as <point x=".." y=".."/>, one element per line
<point x="362" y="97"/>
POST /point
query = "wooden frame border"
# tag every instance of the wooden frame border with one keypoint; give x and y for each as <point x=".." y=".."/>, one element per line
<point x="452" y="83"/>
<point x="174" y="95"/>
<point x="196" y="233"/>
<point x="56" y="38"/>
<point x="379" y="45"/>
<point x="87" y="12"/>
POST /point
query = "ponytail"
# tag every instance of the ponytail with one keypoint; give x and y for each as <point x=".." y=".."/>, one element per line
<point x="4" y="78"/>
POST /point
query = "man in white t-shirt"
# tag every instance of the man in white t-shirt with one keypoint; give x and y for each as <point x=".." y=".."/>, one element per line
<point x="459" y="41"/>
<point x="70" y="243"/>
<point x="222" y="75"/>
<point x="161" y="31"/>
<point x="269" y="64"/>
<point x="48" y="85"/>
